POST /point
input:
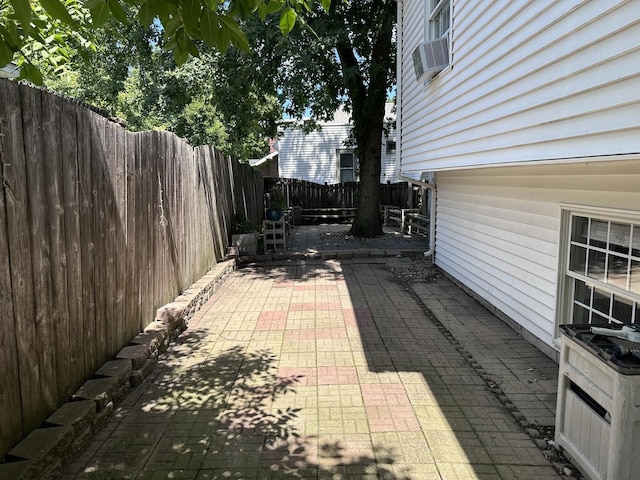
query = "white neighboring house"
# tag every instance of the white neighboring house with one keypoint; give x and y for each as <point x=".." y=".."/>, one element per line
<point x="322" y="157"/>
<point x="531" y="135"/>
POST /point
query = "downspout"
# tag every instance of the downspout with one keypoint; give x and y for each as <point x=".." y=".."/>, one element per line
<point x="428" y="186"/>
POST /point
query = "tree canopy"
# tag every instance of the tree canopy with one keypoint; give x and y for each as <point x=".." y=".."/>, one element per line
<point x="32" y="31"/>
<point x="166" y="64"/>
<point x="132" y="79"/>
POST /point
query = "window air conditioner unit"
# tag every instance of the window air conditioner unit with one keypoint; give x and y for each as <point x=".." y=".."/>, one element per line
<point x="430" y="58"/>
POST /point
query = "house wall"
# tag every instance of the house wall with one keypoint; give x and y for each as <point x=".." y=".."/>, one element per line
<point x="549" y="88"/>
<point x="497" y="229"/>
<point x="313" y="156"/>
<point x="535" y="80"/>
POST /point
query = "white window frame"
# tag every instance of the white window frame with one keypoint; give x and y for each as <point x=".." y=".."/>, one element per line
<point x="339" y="166"/>
<point x="433" y="8"/>
<point x="567" y="277"/>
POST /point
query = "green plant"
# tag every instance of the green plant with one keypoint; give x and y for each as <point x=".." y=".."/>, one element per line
<point x="240" y="224"/>
<point x="276" y="200"/>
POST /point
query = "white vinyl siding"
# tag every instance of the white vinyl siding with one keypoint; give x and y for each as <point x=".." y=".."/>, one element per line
<point x="498" y="230"/>
<point x="313" y="156"/>
<point x="533" y="80"/>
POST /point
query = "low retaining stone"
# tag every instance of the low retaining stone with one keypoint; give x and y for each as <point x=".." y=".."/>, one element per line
<point x="46" y="449"/>
<point x="120" y="369"/>
<point x="158" y="330"/>
<point x="136" y="354"/>
<point x="19" y="470"/>
<point x="80" y="417"/>
<point x="152" y="340"/>
<point x="171" y="314"/>
<point x="138" y="376"/>
<point x="77" y="415"/>
<point x="102" y="418"/>
<point x="100" y="390"/>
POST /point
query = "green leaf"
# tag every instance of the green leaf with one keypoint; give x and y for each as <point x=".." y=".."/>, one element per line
<point x="326" y="4"/>
<point x="146" y="14"/>
<point x="190" y="13"/>
<point x="180" y="55"/>
<point x="225" y="37"/>
<point x="150" y="9"/>
<point x="100" y="12"/>
<point x="274" y="6"/>
<point x="30" y="72"/>
<point x="163" y="8"/>
<point x="262" y="11"/>
<point x="240" y="40"/>
<point x="171" y="27"/>
<point x="170" y="43"/>
<point x="6" y="54"/>
<point x="11" y="36"/>
<point x="240" y="8"/>
<point x="287" y="20"/>
<point x="233" y="33"/>
<point x="23" y="12"/>
<point x="308" y="28"/>
<point x="209" y="27"/>
<point x="118" y="12"/>
<point x="306" y="5"/>
<point x="56" y="9"/>
<point x="192" y="49"/>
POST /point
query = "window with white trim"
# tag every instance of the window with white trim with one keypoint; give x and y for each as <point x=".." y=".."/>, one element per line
<point x="347" y="166"/>
<point x="434" y="54"/>
<point x="602" y="272"/>
<point x="391" y="146"/>
<point x="439" y="18"/>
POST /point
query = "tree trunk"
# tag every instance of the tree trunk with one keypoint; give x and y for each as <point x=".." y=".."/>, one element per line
<point x="368" y="93"/>
<point x="368" y="222"/>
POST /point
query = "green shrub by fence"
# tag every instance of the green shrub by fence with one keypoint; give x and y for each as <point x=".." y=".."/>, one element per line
<point x="98" y="228"/>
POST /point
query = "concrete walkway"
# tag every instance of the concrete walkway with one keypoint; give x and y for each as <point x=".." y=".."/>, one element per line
<point x="332" y="369"/>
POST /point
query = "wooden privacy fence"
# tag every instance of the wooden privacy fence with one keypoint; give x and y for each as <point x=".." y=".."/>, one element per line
<point x="98" y="228"/>
<point x="310" y="195"/>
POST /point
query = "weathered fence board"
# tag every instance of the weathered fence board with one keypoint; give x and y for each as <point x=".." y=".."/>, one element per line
<point x="11" y="410"/>
<point x="98" y="228"/>
<point x="342" y="195"/>
<point x="25" y="268"/>
<point x="70" y="205"/>
<point x="132" y="270"/>
<point x="51" y="118"/>
<point x="85" y="204"/>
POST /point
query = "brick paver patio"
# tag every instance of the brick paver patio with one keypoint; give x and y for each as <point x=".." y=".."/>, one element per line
<point x="326" y="370"/>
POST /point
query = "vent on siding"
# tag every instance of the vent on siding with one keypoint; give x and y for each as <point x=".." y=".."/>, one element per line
<point x="430" y="58"/>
